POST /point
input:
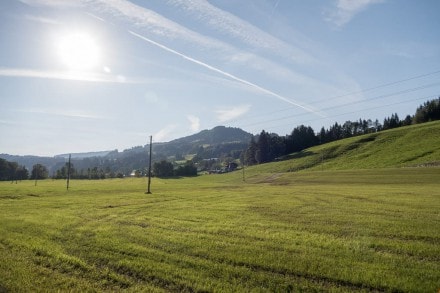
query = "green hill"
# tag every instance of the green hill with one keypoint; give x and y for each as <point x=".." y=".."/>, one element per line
<point x="411" y="146"/>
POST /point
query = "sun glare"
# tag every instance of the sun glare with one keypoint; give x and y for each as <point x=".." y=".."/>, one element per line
<point x="78" y="51"/>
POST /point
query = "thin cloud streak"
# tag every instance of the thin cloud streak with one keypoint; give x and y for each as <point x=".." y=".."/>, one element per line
<point x="42" y="19"/>
<point x="153" y="22"/>
<point x="73" y="76"/>
<point x="194" y="122"/>
<point x="53" y="3"/>
<point x="347" y="9"/>
<point x="61" y="113"/>
<point x="233" y="113"/>
<point x="229" y="75"/>
<point x="164" y="133"/>
<point x="231" y="25"/>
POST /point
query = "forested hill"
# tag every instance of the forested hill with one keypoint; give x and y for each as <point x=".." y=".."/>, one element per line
<point x="217" y="135"/>
<point x="218" y="142"/>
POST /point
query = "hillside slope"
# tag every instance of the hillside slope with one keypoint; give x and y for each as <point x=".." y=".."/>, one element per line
<point x="411" y="146"/>
<point x="215" y="142"/>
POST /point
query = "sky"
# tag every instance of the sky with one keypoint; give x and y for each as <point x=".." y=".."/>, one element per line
<point x="92" y="75"/>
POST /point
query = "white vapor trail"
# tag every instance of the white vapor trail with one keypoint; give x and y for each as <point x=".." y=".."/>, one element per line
<point x="215" y="69"/>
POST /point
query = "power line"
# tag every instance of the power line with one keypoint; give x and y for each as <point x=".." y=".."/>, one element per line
<point x="344" y="95"/>
<point x="349" y="104"/>
<point x="381" y="86"/>
<point x="352" y="112"/>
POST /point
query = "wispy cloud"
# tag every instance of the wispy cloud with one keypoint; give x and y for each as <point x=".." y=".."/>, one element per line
<point x="228" y="24"/>
<point x="154" y="23"/>
<point x="164" y="133"/>
<point x="54" y="3"/>
<point x="60" y="112"/>
<point x="231" y="76"/>
<point x="68" y="75"/>
<point x="9" y="122"/>
<point x="224" y="115"/>
<point x="42" y="19"/>
<point x="345" y="10"/>
<point x="194" y="122"/>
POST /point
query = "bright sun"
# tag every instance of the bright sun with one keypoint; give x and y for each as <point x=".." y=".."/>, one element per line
<point x="78" y="51"/>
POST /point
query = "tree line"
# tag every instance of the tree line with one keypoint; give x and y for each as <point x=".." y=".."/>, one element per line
<point x="11" y="171"/>
<point x="165" y="169"/>
<point x="88" y="173"/>
<point x="266" y="147"/>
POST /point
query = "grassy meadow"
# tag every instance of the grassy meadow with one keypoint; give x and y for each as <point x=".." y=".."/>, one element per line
<point x="338" y="230"/>
<point x="410" y="146"/>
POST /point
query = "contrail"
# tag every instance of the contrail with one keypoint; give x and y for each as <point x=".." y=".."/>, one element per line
<point x="215" y="69"/>
<point x="274" y="8"/>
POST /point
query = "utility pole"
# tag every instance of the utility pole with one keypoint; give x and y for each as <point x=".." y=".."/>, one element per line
<point x="68" y="172"/>
<point x="244" y="179"/>
<point x="149" y="166"/>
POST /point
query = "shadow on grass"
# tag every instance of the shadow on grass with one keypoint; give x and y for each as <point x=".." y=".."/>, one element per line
<point x="175" y="177"/>
<point x="298" y="155"/>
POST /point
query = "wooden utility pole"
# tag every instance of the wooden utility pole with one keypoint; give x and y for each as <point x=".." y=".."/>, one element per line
<point x="149" y="166"/>
<point x="68" y="172"/>
<point x="244" y="178"/>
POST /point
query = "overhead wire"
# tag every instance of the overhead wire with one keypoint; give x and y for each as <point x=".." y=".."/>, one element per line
<point x="380" y="86"/>
<point x="341" y="96"/>
<point x="357" y="111"/>
<point x="347" y="104"/>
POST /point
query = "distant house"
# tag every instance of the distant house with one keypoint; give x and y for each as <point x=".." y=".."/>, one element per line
<point x="135" y="173"/>
<point x="228" y="168"/>
<point x="232" y="166"/>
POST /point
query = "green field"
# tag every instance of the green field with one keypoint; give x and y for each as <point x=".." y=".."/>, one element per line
<point x="410" y="146"/>
<point x="361" y="214"/>
<point x="346" y="230"/>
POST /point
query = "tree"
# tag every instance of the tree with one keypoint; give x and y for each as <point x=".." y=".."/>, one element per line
<point x="347" y="129"/>
<point x="39" y="172"/>
<point x="377" y="126"/>
<point x="12" y="171"/>
<point x="64" y="171"/>
<point x="429" y="111"/>
<point x="407" y="121"/>
<point x="322" y="136"/>
<point x="3" y="169"/>
<point x="21" y="173"/>
<point x="94" y="173"/>
<point x="187" y="170"/>
<point x="334" y="133"/>
<point x="277" y="146"/>
<point x="163" y="169"/>
<point x="303" y="137"/>
<point x="250" y="153"/>
<point x="391" y="122"/>
<point x="262" y="152"/>
<point x="367" y="126"/>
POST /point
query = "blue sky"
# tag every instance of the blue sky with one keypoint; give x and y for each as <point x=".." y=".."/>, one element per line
<point x="89" y="75"/>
